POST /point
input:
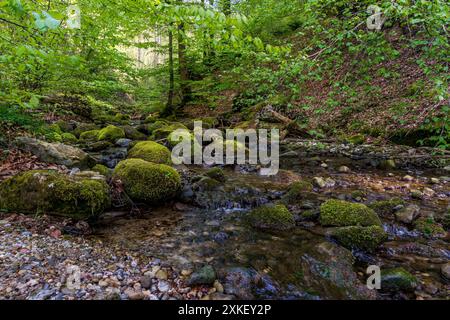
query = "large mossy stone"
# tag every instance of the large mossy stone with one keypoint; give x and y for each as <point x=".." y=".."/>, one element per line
<point x="164" y="131"/>
<point x="50" y="192"/>
<point x="397" y="279"/>
<point x="151" y="151"/>
<point x="56" y="153"/>
<point x="339" y="213"/>
<point x="362" y="238"/>
<point x="111" y="133"/>
<point x="148" y="182"/>
<point x="272" y="217"/>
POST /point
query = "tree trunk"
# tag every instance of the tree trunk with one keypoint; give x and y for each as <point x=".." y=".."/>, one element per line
<point x="169" y="107"/>
<point x="183" y="67"/>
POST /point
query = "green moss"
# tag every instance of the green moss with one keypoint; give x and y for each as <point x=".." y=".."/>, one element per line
<point x="386" y="207"/>
<point x="50" y="192"/>
<point x="133" y="134"/>
<point x="68" y="137"/>
<point x="363" y="238"/>
<point x="103" y="170"/>
<point x="156" y="125"/>
<point x="207" y="184"/>
<point x="429" y="227"/>
<point x="217" y="174"/>
<point x="55" y="128"/>
<point x="164" y="131"/>
<point x="151" y="151"/>
<point x="151" y="119"/>
<point x="148" y="182"/>
<point x="120" y="117"/>
<point x="91" y="135"/>
<point x="272" y="217"/>
<point x="296" y="191"/>
<point x="185" y="135"/>
<point x="340" y="213"/>
<point x="358" y="195"/>
<point x="53" y="137"/>
<point x="111" y="133"/>
<point x="397" y="279"/>
<point x="356" y="139"/>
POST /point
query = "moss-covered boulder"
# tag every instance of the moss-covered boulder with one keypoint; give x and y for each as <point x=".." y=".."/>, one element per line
<point x="49" y="192"/>
<point x="296" y="191"/>
<point x="111" y="133"/>
<point x="386" y="207"/>
<point x="356" y="139"/>
<point x="91" y="135"/>
<point x="148" y="182"/>
<point x="83" y="127"/>
<point x="157" y="125"/>
<point x="398" y="279"/>
<point x="362" y="238"/>
<point x="272" y="217"/>
<point x="103" y="170"/>
<point x="429" y="228"/>
<point x="339" y="213"/>
<point x="151" y="151"/>
<point x="164" y="131"/>
<point x="175" y="139"/>
<point x="216" y="174"/>
<point x="69" y="138"/>
<point x="133" y="134"/>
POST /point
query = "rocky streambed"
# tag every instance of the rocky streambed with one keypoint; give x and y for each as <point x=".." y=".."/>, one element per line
<point x="308" y="233"/>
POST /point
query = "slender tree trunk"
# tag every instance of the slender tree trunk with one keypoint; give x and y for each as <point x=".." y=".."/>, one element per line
<point x="169" y="107"/>
<point x="182" y="65"/>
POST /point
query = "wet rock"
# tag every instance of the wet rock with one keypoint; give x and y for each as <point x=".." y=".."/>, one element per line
<point x="445" y="271"/>
<point x="221" y="296"/>
<point x="387" y="207"/>
<point x="429" y="228"/>
<point x="56" y="153"/>
<point x="206" y="276"/>
<point x="416" y="194"/>
<point x="323" y="183"/>
<point x="435" y="181"/>
<point x="428" y="192"/>
<point x="408" y="214"/>
<point x="124" y="143"/>
<point x="408" y="178"/>
<point x="329" y="269"/>
<point x="238" y="283"/>
<point x="362" y="238"/>
<point x="216" y="174"/>
<point x="398" y="279"/>
<point x="387" y="164"/>
<point x="344" y="169"/>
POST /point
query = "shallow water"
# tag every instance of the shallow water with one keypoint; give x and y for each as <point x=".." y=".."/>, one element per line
<point x="300" y="264"/>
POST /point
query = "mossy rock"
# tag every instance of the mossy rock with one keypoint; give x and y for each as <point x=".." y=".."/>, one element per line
<point x="53" y="137"/>
<point x="386" y="207"/>
<point x="157" y="125"/>
<point x="206" y="184"/>
<point x="151" y="119"/>
<point x="182" y="136"/>
<point x="356" y="139"/>
<point x="65" y="126"/>
<point x="296" y="191"/>
<point x="55" y="128"/>
<point x="133" y="134"/>
<point x="207" y="123"/>
<point x="339" y="213"/>
<point x="429" y="227"/>
<point x="398" y="279"/>
<point x="387" y="164"/>
<point x="120" y="117"/>
<point x="111" y="133"/>
<point x="83" y="127"/>
<point x="68" y="137"/>
<point x="272" y="217"/>
<point x="362" y="238"/>
<point x="103" y="170"/>
<point x="216" y="174"/>
<point x="165" y="131"/>
<point x="91" y="135"/>
<point x="148" y="182"/>
<point x="49" y="192"/>
<point x="151" y="151"/>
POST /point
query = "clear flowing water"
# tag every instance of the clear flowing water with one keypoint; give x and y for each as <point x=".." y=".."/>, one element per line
<point x="299" y="264"/>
